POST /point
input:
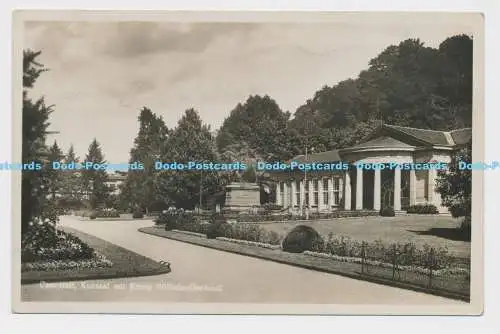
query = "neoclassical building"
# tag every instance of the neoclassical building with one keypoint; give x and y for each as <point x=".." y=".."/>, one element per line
<point x="361" y="189"/>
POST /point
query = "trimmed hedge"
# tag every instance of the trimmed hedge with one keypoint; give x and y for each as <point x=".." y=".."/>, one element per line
<point x="302" y="238"/>
<point x="422" y="209"/>
<point x="216" y="227"/>
<point x="107" y="213"/>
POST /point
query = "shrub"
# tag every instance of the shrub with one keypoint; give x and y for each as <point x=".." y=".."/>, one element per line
<point x="138" y="213"/>
<point x="107" y="213"/>
<point x="218" y="229"/>
<point x="387" y="212"/>
<point x="272" y="207"/>
<point x="93" y="215"/>
<point x="423" y="209"/>
<point x="252" y="232"/>
<point x="218" y="226"/>
<point x="465" y="227"/>
<point x="302" y="238"/>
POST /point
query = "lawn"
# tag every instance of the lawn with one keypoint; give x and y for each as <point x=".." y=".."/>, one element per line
<point x="437" y="231"/>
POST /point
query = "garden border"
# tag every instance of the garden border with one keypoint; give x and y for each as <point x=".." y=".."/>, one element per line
<point x="297" y="260"/>
<point x="104" y="219"/>
<point x="125" y="264"/>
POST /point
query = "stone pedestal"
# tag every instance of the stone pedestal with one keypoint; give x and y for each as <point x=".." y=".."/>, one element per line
<point x="242" y="196"/>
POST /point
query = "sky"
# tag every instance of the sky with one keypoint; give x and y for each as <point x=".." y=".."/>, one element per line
<point x="102" y="73"/>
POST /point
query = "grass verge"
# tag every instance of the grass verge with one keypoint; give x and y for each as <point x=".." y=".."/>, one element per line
<point x="125" y="263"/>
<point x="351" y="270"/>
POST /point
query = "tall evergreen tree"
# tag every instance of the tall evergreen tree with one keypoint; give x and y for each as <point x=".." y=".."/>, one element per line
<point x="94" y="179"/>
<point x="139" y="188"/>
<point x="54" y="176"/>
<point x="71" y="179"/>
<point x="35" y="129"/>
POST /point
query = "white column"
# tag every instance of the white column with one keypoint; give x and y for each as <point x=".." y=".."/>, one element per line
<point x="285" y="195"/>
<point x="321" y="205"/>
<point x="347" y="191"/>
<point x="413" y="187"/>
<point x="293" y="196"/>
<point x="311" y="192"/>
<point x="302" y="194"/>
<point x="359" y="189"/>
<point x="376" y="190"/>
<point x="278" y="193"/>
<point x="330" y="193"/>
<point x="341" y="189"/>
<point x="397" y="189"/>
<point x="431" y="180"/>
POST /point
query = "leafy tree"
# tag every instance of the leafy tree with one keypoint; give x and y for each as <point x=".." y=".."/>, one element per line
<point x="94" y="179"/>
<point x="455" y="185"/>
<point x="192" y="141"/>
<point x="260" y="124"/>
<point x="35" y="129"/>
<point x="455" y="86"/>
<point x="407" y="84"/>
<point x="140" y="186"/>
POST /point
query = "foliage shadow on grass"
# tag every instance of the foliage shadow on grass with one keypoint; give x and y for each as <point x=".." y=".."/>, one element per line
<point x="450" y="233"/>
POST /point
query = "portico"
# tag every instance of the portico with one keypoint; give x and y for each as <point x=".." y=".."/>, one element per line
<point x="372" y="189"/>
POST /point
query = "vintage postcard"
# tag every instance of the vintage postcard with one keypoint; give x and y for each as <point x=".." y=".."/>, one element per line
<point x="248" y="162"/>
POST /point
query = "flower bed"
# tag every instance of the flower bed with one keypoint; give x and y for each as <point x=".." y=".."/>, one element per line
<point x="289" y="217"/>
<point x="421" y="270"/>
<point x="99" y="261"/>
<point x="250" y="243"/>
<point x="46" y="243"/>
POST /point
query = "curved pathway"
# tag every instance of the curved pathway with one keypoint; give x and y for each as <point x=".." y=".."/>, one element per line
<point x="205" y="275"/>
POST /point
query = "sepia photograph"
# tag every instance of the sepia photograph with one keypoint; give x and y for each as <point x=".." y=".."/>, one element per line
<point x="248" y="162"/>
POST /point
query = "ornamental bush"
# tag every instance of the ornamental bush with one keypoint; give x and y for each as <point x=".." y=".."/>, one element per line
<point x="252" y="232"/>
<point x="107" y="213"/>
<point x="138" y="213"/>
<point x="218" y="226"/>
<point x="423" y="209"/>
<point x="387" y="212"/>
<point x="272" y="207"/>
<point x="465" y="227"/>
<point x="302" y="238"/>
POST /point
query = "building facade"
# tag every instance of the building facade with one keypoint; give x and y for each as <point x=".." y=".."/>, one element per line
<point x="114" y="182"/>
<point x="363" y="189"/>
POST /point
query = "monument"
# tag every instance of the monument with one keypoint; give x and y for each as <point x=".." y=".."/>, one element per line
<point x="242" y="196"/>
